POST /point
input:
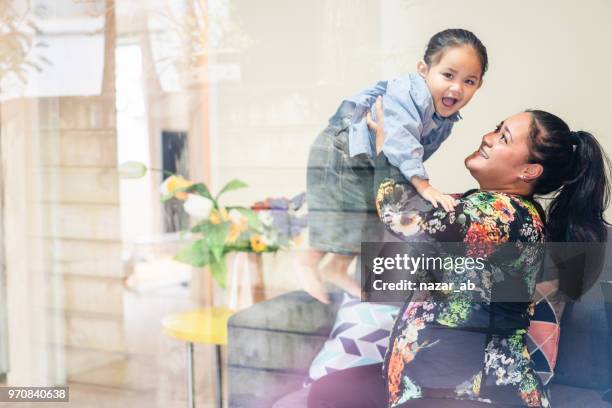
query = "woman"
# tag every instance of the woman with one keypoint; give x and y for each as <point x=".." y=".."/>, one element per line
<point x="449" y="351"/>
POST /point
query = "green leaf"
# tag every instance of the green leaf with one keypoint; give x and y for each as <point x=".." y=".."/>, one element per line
<point x="218" y="269"/>
<point x="195" y="254"/>
<point x="205" y="227"/>
<point x="214" y="237"/>
<point x="198" y="227"/>
<point x="239" y="246"/>
<point x="235" y="184"/>
<point x="202" y="190"/>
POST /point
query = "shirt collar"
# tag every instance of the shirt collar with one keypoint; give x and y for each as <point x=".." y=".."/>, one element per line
<point x="452" y="118"/>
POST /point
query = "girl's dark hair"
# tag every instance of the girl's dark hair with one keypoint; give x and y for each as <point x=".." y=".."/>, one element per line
<point x="576" y="170"/>
<point x="455" y="37"/>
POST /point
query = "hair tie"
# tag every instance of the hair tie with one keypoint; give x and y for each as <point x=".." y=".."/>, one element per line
<point x="574" y="137"/>
<point x="575" y="140"/>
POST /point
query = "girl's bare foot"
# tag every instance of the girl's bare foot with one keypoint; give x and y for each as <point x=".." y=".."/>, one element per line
<point x="307" y="270"/>
<point x="336" y="272"/>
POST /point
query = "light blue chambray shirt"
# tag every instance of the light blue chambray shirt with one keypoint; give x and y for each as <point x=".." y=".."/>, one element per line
<point x="413" y="129"/>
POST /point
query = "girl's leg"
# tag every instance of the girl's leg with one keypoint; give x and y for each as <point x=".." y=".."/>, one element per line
<point x="331" y="230"/>
<point x="307" y="269"/>
<point x="312" y="276"/>
<point x="358" y="387"/>
<point x="336" y="272"/>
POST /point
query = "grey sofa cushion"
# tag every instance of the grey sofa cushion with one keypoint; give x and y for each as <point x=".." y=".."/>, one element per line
<point x="563" y="396"/>
<point x="294" y="312"/>
<point x="271" y="345"/>
<point x="584" y="346"/>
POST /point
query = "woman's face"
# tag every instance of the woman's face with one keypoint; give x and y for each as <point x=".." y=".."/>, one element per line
<point x="502" y="158"/>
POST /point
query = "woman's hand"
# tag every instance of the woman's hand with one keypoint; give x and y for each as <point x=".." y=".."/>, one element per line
<point x="377" y="127"/>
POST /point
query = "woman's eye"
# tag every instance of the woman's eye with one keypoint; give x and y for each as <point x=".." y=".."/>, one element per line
<point x="503" y="137"/>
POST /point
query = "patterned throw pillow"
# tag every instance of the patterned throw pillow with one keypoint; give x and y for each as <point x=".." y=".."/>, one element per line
<point x="360" y="335"/>
<point x="544" y="331"/>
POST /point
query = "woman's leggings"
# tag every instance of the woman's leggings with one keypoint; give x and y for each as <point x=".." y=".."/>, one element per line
<point x="364" y="387"/>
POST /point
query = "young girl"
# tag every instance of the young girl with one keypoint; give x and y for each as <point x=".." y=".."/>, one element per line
<point x="419" y="112"/>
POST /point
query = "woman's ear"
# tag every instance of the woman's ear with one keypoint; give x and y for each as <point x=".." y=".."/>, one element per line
<point x="422" y="68"/>
<point x="531" y="172"/>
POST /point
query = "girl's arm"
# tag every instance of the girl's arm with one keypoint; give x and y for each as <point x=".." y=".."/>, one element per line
<point x="410" y="162"/>
<point x="400" y="206"/>
<point x="407" y="214"/>
<point x="403" y="129"/>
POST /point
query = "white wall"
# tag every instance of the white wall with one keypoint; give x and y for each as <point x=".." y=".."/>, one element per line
<point x="304" y="57"/>
<point x="551" y="55"/>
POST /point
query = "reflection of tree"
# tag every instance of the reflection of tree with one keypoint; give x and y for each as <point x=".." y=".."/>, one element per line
<point x="18" y="41"/>
<point x="191" y="33"/>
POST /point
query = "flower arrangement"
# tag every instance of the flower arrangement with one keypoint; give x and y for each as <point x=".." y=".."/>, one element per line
<point x="267" y="226"/>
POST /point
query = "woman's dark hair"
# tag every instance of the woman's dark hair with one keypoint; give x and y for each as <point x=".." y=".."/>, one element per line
<point x="455" y="37"/>
<point x="576" y="170"/>
<point x="575" y="164"/>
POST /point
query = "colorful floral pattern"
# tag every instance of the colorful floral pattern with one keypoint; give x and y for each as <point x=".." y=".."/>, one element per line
<point x="503" y="371"/>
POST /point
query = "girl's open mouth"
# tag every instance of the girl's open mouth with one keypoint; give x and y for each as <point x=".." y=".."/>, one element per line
<point x="449" y="102"/>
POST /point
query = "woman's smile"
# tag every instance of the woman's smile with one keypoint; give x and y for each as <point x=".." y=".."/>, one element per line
<point x="483" y="153"/>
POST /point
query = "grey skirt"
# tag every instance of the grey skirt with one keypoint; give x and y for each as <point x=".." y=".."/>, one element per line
<point x="340" y="193"/>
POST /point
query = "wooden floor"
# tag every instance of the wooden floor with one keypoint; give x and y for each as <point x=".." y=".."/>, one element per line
<point x="153" y="373"/>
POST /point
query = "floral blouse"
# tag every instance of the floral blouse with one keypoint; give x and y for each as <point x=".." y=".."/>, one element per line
<point x="458" y="345"/>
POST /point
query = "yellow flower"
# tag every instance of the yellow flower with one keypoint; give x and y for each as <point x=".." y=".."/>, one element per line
<point x="218" y="216"/>
<point x="257" y="243"/>
<point x="173" y="183"/>
<point x="235" y="231"/>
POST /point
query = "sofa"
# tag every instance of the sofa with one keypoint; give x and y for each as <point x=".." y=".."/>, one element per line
<point x="271" y="346"/>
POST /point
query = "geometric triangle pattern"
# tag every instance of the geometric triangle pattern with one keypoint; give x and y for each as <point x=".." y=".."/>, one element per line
<point x="544" y="331"/>
<point x="360" y="336"/>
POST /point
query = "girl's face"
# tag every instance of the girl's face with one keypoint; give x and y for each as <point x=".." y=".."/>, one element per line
<point x="501" y="163"/>
<point x="454" y="79"/>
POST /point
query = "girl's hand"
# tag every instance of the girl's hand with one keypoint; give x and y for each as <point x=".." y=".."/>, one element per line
<point x="377" y="127"/>
<point x="437" y="198"/>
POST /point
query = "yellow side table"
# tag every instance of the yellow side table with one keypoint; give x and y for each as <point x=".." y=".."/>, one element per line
<point x="207" y="326"/>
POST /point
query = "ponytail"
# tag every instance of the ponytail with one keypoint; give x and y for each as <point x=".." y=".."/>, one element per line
<point x="576" y="214"/>
<point x="576" y="171"/>
<point x="577" y="168"/>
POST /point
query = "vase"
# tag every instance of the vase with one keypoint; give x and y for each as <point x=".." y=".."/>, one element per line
<point x="244" y="284"/>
